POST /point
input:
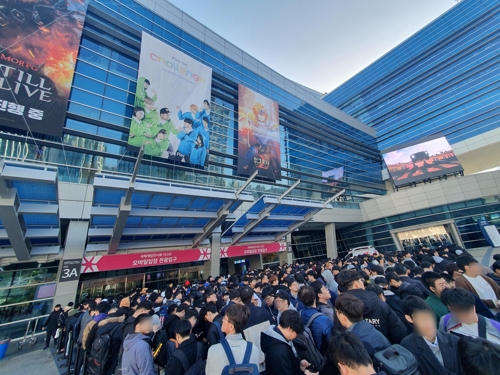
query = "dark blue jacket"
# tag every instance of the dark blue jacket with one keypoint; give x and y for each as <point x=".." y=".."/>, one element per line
<point x="321" y="328"/>
<point x="372" y="339"/>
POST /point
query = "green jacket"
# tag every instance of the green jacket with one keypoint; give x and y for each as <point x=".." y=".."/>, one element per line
<point x="141" y="93"/>
<point x="437" y="306"/>
<point x="156" y="148"/>
<point x="153" y="117"/>
<point x="169" y="127"/>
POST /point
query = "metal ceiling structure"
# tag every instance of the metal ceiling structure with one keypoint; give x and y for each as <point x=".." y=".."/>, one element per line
<point x="29" y="210"/>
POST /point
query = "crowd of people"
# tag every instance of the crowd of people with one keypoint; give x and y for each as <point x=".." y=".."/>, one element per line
<point x="426" y="311"/>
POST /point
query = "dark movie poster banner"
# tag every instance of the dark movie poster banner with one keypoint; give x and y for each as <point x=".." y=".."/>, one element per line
<point x="258" y="135"/>
<point x="171" y="117"/>
<point x="39" y="45"/>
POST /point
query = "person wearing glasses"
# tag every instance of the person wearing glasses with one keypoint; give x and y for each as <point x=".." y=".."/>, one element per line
<point x="233" y="323"/>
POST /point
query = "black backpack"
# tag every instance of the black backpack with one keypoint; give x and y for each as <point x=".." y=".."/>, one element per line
<point x="306" y="347"/>
<point x="165" y="351"/>
<point x="99" y="353"/>
<point x="179" y="354"/>
<point x="396" y="360"/>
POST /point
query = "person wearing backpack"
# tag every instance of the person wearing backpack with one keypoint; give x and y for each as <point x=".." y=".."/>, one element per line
<point x="463" y="319"/>
<point x="104" y="341"/>
<point x="277" y="345"/>
<point x="189" y="351"/>
<point x="321" y="326"/>
<point x="137" y="358"/>
<point x="233" y="351"/>
<point x="435" y="351"/>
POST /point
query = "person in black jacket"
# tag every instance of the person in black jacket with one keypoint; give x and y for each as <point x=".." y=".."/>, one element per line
<point x="280" y="358"/>
<point x="144" y="307"/>
<point x="258" y="315"/>
<point x="187" y="353"/>
<point x="478" y="356"/>
<point x="209" y="313"/>
<point x="402" y="288"/>
<point x="51" y="325"/>
<point x="174" y="314"/>
<point x="268" y="294"/>
<point x="435" y="351"/>
<point x="107" y="326"/>
<point x="376" y="312"/>
<point x="403" y="272"/>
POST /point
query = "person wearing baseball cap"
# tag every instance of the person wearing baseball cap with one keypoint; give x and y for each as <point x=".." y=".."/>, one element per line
<point x="282" y="303"/>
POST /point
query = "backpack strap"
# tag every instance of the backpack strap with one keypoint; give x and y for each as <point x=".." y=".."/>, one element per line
<point x="446" y="319"/>
<point x="481" y="326"/>
<point x="248" y="353"/>
<point x="311" y="319"/>
<point x="229" y="352"/>
<point x="179" y="354"/>
<point x="219" y="329"/>
<point x="114" y="330"/>
<point x="199" y="351"/>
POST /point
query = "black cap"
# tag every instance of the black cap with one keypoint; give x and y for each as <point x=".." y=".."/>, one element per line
<point x="164" y="110"/>
<point x="153" y="296"/>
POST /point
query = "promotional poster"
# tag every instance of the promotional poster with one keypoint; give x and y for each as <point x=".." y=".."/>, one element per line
<point x="258" y="135"/>
<point x="40" y="41"/>
<point x="420" y="161"/>
<point x="171" y="117"/>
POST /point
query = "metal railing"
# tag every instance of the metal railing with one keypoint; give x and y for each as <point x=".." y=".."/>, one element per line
<point x="19" y="329"/>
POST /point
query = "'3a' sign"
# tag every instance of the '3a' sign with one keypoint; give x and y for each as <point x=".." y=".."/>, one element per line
<point x="70" y="270"/>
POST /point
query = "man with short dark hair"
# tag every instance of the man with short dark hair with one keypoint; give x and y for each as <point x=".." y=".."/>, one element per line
<point x="51" y="325"/>
<point x="403" y="272"/>
<point x="323" y="303"/>
<point x="402" y="288"/>
<point x="478" y="356"/>
<point x="187" y="353"/>
<point x="348" y="353"/>
<point x="435" y="283"/>
<point x="128" y="325"/>
<point x="463" y="319"/>
<point x="473" y="281"/>
<point x="435" y="351"/>
<point x="137" y="358"/>
<point x="173" y="317"/>
<point x="282" y="303"/>
<point x="349" y="310"/>
<point x="276" y="345"/>
<point x="376" y="311"/>
<point x="321" y="326"/>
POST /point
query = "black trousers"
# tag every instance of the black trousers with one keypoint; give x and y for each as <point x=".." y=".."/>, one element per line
<point x="50" y="333"/>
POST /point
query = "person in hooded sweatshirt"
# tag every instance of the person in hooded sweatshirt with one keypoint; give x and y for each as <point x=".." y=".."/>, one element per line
<point x="276" y="343"/>
<point x="137" y="357"/>
<point x="402" y="288"/>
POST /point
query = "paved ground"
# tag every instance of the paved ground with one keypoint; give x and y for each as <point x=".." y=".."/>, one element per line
<point x="33" y="360"/>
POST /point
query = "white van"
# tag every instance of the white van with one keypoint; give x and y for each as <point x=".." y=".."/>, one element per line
<point x="370" y="250"/>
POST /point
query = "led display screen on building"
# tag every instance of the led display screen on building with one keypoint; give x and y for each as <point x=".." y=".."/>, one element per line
<point x="258" y="135"/>
<point x="40" y="41"/>
<point x="419" y="161"/>
<point x="171" y="117"/>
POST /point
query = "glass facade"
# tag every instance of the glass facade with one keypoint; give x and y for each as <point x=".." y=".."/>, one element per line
<point x="465" y="215"/>
<point x="308" y="245"/>
<point x="443" y="79"/>
<point x="101" y="103"/>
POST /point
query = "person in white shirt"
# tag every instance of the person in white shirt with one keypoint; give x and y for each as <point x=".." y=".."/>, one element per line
<point x="233" y="323"/>
<point x="473" y="281"/>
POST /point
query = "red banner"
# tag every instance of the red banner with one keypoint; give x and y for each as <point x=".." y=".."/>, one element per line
<point x="253" y="249"/>
<point x="138" y="260"/>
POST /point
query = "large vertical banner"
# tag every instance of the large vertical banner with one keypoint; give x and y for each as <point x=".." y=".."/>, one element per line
<point x="258" y="135"/>
<point x="39" y="45"/>
<point x="171" y="117"/>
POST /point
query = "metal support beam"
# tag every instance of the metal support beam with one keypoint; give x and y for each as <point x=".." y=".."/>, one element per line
<point x="289" y="190"/>
<point x="292" y="227"/>
<point x="212" y="224"/>
<point x="119" y="226"/>
<point x="14" y="225"/>
<point x="332" y="198"/>
<point x="247" y="182"/>
<point x="248" y="228"/>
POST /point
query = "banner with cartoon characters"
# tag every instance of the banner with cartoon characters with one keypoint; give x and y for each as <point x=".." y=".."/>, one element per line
<point x="40" y="41"/>
<point x="258" y="135"/>
<point x="171" y="116"/>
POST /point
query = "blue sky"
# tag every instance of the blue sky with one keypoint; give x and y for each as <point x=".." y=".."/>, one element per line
<point x="317" y="43"/>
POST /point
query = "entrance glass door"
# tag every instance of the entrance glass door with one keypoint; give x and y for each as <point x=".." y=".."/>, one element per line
<point x="432" y="237"/>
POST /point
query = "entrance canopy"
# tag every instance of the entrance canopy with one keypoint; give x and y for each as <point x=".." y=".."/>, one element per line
<point x="29" y="210"/>
<point x="271" y="218"/>
<point x="151" y="214"/>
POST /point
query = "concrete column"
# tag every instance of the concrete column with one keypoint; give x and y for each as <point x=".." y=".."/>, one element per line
<point x="331" y="241"/>
<point x="212" y="267"/>
<point x="457" y="239"/>
<point x="76" y="238"/>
